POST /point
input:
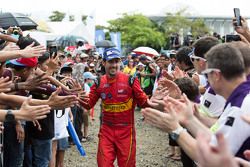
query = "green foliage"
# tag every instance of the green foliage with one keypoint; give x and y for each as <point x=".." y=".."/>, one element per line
<point x="178" y="23"/>
<point x="175" y="23"/>
<point x="100" y="27"/>
<point x="137" y="30"/>
<point x="57" y="16"/>
<point x="198" y="27"/>
<point x="71" y="18"/>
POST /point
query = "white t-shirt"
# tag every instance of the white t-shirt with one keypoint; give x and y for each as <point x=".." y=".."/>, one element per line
<point x="61" y="123"/>
<point x="213" y="102"/>
<point x="86" y="88"/>
<point x="235" y="130"/>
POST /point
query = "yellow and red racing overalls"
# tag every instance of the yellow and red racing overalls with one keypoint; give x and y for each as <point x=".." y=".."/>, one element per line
<point x="117" y="131"/>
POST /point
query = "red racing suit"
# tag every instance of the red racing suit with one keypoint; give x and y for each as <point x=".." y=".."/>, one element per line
<point x="117" y="131"/>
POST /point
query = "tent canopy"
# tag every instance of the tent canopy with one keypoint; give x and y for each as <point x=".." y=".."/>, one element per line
<point x="66" y="28"/>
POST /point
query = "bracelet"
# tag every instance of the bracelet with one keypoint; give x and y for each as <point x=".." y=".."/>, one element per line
<point x="16" y="86"/>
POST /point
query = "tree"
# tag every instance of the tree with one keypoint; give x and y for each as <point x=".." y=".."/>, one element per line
<point x="198" y="27"/>
<point x="71" y="18"/>
<point x="100" y="27"/>
<point x="137" y="30"/>
<point x="178" y="23"/>
<point x="57" y="16"/>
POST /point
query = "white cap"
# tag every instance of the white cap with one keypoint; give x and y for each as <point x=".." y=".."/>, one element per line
<point x="84" y="55"/>
<point x="140" y="64"/>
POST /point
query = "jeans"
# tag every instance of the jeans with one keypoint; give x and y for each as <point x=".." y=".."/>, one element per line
<point x="41" y="152"/>
<point x="27" y="162"/>
<point x="13" y="149"/>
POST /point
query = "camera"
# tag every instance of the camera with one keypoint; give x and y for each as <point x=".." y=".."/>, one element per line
<point x="230" y="38"/>
<point x="15" y="31"/>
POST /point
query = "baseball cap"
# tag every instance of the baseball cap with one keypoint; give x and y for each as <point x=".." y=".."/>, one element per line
<point x="88" y="75"/>
<point x="140" y="64"/>
<point x="111" y="53"/>
<point x="25" y="62"/>
<point x="84" y="55"/>
<point x="66" y="68"/>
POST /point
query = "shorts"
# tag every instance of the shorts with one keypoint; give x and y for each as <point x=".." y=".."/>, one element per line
<point x="62" y="144"/>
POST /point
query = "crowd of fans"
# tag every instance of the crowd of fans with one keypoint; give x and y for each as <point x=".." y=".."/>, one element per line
<point x="198" y="94"/>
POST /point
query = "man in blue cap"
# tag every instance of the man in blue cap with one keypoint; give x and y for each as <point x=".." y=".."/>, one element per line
<point x="119" y="93"/>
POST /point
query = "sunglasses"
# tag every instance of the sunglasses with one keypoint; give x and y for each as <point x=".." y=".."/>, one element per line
<point x="210" y="70"/>
<point x="193" y="58"/>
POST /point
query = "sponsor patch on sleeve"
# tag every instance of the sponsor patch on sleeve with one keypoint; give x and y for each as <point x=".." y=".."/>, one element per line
<point x="230" y="121"/>
<point x="207" y="103"/>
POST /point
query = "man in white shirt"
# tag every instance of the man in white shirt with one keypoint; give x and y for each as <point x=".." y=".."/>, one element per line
<point x="228" y="79"/>
<point x="213" y="102"/>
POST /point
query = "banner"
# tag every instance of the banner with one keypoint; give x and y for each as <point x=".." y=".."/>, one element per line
<point x="116" y="39"/>
<point x="99" y="36"/>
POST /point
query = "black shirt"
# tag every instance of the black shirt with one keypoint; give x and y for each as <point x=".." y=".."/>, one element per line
<point x="47" y="124"/>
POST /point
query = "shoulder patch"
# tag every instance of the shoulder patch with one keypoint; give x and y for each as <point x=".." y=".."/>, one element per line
<point x="207" y="103"/>
<point x="230" y="121"/>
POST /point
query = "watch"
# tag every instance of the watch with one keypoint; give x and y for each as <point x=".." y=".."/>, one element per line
<point x="9" y="117"/>
<point x="176" y="133"/>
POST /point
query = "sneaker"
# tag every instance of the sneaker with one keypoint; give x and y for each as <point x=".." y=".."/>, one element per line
<point x="84" y="139"/>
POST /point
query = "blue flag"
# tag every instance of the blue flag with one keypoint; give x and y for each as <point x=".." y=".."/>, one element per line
<point x="116" y="39"/>
<point x="99" y="36"/>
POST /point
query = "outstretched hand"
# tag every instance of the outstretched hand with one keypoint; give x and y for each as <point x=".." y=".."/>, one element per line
<point x="31" y="113"/>
<point x="183" y="108"/>
<point x="5" y="84"/>
<point x="216" y="156"/>
<point x="33" y="51"/>
<point x="34" y="82"/>
<point x="53" y="64"/>
<point x="59" y="102"/>
<point x="166" y="121"/>
<point x="170" y="88"/>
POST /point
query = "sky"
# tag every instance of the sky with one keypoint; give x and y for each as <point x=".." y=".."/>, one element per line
<point x="105" y="10"/>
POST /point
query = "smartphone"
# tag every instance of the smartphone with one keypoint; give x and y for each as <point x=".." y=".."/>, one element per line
<point x="53" y="50"/>
<point x="230" y="38"/>
<point x="237" y="16"/>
